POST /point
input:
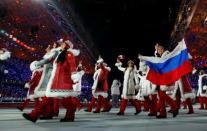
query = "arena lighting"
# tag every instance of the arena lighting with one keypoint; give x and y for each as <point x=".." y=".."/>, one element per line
<point x="17" y="41"/>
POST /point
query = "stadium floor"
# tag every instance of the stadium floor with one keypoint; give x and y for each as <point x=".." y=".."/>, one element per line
<point x="12" y="120"/>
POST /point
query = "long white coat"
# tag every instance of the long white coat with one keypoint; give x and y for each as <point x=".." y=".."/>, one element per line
<point x="96" y="76"/>
<point x="40" y="90"/>
<point x="130" y="83"/>
<point x="77" y="80"/>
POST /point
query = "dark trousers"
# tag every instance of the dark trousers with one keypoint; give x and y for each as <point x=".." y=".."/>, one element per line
<point x="115" y="100"/>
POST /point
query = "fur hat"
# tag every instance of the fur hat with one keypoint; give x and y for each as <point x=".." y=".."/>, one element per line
<point x="100" y="60"/>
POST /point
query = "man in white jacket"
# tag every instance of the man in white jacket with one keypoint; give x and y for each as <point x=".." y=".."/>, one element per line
<point x="163" y="97"/>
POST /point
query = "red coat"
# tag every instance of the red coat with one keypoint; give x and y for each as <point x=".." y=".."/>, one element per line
<point x="60" y="83"/>
<point x="36" y="76"/>
<point x="103" y="79"/>
<point x="186" y="85"/>
<point x="100" y="85"/>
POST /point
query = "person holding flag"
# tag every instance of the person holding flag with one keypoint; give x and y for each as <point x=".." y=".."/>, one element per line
<point x="166" y="70"/>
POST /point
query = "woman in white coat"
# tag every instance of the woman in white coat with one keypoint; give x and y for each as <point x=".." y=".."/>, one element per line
<point x="130" y="84"/>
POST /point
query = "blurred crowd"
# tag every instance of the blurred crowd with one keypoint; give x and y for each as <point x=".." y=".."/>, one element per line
<point x="12" y="83"/>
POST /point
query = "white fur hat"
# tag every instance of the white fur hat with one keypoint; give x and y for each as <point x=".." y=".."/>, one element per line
<point x="100" y="60"/>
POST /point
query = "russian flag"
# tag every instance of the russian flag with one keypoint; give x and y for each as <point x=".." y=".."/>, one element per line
<point x="170" y="68"/>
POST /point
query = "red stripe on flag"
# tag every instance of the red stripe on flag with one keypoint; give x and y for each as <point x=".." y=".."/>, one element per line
<point x="170" y="77"/>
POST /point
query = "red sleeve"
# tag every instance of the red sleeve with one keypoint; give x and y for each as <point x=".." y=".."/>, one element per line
<point x="35" y="77"/>
<point x="71" y="61"/>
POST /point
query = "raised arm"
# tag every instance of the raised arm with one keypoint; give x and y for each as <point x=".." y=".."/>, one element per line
<point x="119" y="66"/>
<point x="75" y="52"/>
<point x="47" y="58"/>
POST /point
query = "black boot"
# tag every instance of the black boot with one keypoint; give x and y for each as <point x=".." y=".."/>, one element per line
<point x="96" y="111"/>
<point x="175" y="113"/>
<point x="152" y="114"/>
<point x="26" y="116"/>
<point x="107" y="110"/>
<point x="137" y="112"/>
<point x="19" y="108"/>
<point x="66" y="120"/>
<point x="120" y="113"/>
<point x="161" y="116"/>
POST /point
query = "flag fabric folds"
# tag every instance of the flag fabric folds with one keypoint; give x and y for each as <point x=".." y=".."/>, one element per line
<point x="168" y="69"/>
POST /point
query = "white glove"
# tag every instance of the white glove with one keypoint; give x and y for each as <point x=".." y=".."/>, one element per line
<point x="26" y="85"/>
<point x="194" y="71"/>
